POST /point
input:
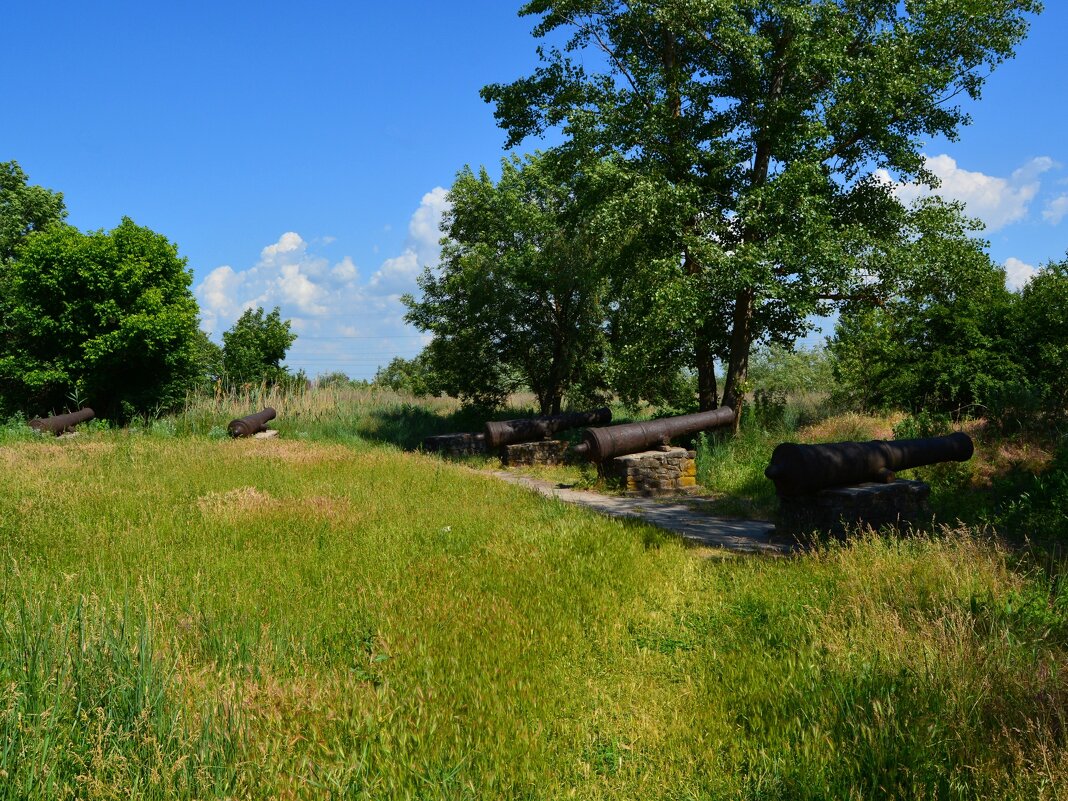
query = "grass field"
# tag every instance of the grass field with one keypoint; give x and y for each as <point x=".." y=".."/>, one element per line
<point x="190" y="617"/>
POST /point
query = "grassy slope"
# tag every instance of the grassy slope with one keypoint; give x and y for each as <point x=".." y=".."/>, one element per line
<point x="192" y="617"/>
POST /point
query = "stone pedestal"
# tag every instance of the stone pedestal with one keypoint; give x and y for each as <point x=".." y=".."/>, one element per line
<point x="544" y="452"/>
<point x="453" y="445"/>
<point x="666" y="471"/>
<point x="834" y="511"/>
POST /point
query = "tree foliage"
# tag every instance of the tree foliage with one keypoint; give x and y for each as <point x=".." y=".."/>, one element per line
<point x="1040" y="327"/>
<point x="782" y="371"/>
<point x="24" y="208"/>
<point x="518" y="299"/>
<point x="104" y="317"/>
<point x="761" y="125"/>
<point x="209" y="359"/>
<point x="410" y="376"/>
<point x="940" y="338"/>
<point x="254" y="348"/>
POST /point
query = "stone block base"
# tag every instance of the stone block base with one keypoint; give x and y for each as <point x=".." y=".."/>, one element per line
<point x="668" y="471"/>
<point x="454" y="445"/>
<point x="545" y="452"/>
<point x="834" y="511"/>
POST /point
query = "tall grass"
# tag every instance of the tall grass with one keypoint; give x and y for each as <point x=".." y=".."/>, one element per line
<point x="732" y="466"/>
<point x="189" y="617"/>
<point x="334" y="413"/>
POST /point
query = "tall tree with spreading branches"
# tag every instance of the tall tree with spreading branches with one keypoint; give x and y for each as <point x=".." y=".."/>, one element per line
<point x="518" y="299"/>
<point x="769" y="121"/>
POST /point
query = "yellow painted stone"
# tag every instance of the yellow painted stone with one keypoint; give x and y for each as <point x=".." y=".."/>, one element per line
<point x="687" y="481"/>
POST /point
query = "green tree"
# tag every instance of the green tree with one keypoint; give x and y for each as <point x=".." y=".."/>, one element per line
<point x="411" y="376"/>
<point x="783" y="371"/>
<point x="256" y="345"/>
<point x="335" y="379"/>
<point x="104" y="317"/>
<point x="761" y="124"/>
<point x="1040" y="327"/>
<point x="940" y="336"/>
<point x="24" y="208"/>
<point x="209" y="359"/>
<point x="517" y="301"/>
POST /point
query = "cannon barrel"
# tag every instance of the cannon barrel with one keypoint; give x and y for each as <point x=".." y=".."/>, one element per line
<point x="509" y="432"/>
<point x="599" y="444"/>
<point x="253" y="424"/>
<point x="61" y="423"/>
<point x="803" y="469"/>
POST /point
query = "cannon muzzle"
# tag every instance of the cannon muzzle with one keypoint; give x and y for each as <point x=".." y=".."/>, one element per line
<point x="509" y="432"/>
<point x="804" y="469"/>
<point x="61" y="423"/>
<point x="599" y="444"/>
<point x="253" y="424"/>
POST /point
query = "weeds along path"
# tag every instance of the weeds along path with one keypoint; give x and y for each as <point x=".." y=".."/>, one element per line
<point x="682" y="516"/>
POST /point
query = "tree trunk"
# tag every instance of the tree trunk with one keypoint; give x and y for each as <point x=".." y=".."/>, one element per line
<point x="741" y="338"/>
<point x="707" y="392"/>
<point x="738" y="364"/>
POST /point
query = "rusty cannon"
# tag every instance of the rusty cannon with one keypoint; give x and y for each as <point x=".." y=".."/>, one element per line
<point x="600" y="444"/>
<point x="512" y="432"/>
<point x="253" y="424"/>
<point x="806" y="469"/>
<point x="62" y="423"/>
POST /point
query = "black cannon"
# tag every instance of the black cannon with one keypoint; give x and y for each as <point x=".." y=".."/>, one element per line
<point x="253" y="424"/>
<point x="510" y="432"/>
<point x="62" y="423"/>
<point x="805" y="469"/>
<point x="599" y="444"/>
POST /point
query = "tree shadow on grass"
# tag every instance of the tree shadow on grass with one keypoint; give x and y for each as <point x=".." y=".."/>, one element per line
<point x="407" y="426"/>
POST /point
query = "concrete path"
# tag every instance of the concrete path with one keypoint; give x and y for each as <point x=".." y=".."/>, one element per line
<point x="681" y="516"/>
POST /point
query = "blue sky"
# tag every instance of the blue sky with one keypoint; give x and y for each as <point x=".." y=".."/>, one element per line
<point x="298" y="153"/>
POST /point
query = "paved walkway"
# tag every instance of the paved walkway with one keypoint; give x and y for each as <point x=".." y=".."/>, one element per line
<point x="682" y="516"/>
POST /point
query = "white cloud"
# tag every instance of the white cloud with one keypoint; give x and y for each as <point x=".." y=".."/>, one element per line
<point x="1055" y="210"/>
<point x="289" y="242"/>
<point x="397" y="275"/>
<point x="996" y="201"/>
<point x="1018" y="273"/>
<point x="345" y="271"/>
<point x="343" y="323"/>
<point x="217" y="294"/>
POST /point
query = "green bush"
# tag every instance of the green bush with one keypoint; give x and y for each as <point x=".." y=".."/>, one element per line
<point x="1037" y="505"/>
<point x="923" y="423"/>
<point x="963" y="346"/>
<point x="253" y="349"/>
<point x="411" y="376"/>
<point x="1041" y="326"/>
<point x="104" y="317"/>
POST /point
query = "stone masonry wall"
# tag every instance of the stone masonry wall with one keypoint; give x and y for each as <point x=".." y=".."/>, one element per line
<point x="544" y="452"/>
<point x="667" y="471"/>
<point x="834" y="511"/>
<point x="453" y="445"/>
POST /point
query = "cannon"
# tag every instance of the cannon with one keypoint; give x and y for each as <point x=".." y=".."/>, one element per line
<point x="61" y="423"/>
<point x="510" y="432"/>
<point x="253" y="424"/>
<point x="599" y="444"/>
<point x="805" y="469"/>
